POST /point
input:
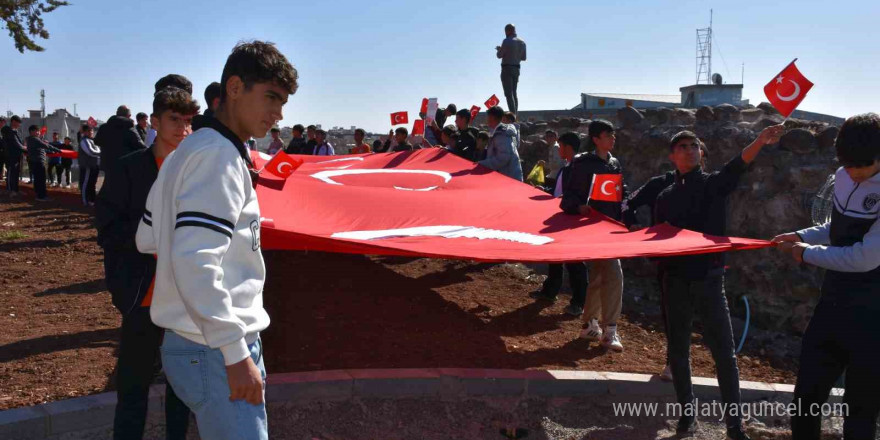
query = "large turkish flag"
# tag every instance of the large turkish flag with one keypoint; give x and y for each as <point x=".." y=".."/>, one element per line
<point x="432" y="203"/>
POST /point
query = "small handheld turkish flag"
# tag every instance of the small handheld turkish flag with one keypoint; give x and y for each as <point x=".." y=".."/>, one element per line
<point x="92" y="122"/>
<point x="788" y="89"/>
<point x="43" y="131"/>
<point x="492" y="101"/>
<point x="474" y="111"/>
<point x="424" y="107"/>
<point x="418" y="127"/>
<point x="399" y="118"/>
<point x="282" y="165"/>
<point x="606" y="187"/>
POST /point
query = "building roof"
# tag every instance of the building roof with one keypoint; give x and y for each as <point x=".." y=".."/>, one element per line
<point x="672" y="99"/>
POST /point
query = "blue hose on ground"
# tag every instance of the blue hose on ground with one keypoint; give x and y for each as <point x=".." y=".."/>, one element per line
<point x="746" y="328"/>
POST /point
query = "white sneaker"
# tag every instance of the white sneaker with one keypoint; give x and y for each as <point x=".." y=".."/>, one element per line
<point x="610" y="340"/>
<point x="666" y="375"/>
<point x="593" y="332"/>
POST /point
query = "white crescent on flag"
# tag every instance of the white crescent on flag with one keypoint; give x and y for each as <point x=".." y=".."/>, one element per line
<point x="793" y="96"/>
<point x="602" y="188"/>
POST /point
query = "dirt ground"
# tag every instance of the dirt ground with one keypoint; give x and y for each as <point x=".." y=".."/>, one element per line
<point x="60" y="331"/>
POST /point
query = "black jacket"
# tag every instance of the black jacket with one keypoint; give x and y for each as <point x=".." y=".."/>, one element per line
<point x="14" y="145"/>
<point x="297" y="145"/>
<point x="698" y="201"/>
<point x="577" y="183"/>
<point x="117" y="138"/>
<point x="646" y="195"/>
<point x="142" y="133"/>
<point x="119" y="208"/>
<point x="37" y="149"/>
<point x="200" y="121"/>
<point x="466" y="144"/>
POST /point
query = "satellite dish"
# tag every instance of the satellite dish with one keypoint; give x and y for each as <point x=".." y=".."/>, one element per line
<point x="716" y="79"/>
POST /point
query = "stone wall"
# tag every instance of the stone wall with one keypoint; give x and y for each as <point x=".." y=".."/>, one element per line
<point x="774" y="197"/>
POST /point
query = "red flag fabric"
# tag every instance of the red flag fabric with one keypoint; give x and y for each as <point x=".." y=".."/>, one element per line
<point x="283" y="164"/>
<point x="92" y="122"/>
<point x="492" y="101"/>
<point x="418" y="127"/>
<point x="44" y="130"/>
<point x="424" y="108"/>
<point x="399" y="118"/>
<point x="788" y="89"/>
<point x="431" y="203"/>
<point x="64" y="154"/>
<point x="606" y="187"/>
<point x="475" y="110"/>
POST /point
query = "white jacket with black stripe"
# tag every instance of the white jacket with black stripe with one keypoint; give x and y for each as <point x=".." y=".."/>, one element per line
<point x="202" y="221"/>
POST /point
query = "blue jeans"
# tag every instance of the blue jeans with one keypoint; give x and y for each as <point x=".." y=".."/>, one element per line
<point x="198" y="375"/>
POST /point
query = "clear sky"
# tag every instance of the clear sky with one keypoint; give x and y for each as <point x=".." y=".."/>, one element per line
<point x="361" y="60"/>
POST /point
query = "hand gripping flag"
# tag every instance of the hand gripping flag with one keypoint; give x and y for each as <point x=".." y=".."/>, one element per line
<point x="607" y="187"/>
<point x="492" y="101"/>
<point x="418" y="127"/>
<point x="788" y="89"/>
<point x="399" y="118"/>
<point x="282" y="165"/>
<point x="44" y="130"/>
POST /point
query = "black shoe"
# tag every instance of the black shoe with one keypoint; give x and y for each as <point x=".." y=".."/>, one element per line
<point x="686" y="425"/>
<point x="540" y="295"/>
<point x="737" y="434"/>
<point x="573" y="310"/>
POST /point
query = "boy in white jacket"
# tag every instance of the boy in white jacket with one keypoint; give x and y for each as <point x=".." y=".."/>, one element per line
<point x="202" y="221"/>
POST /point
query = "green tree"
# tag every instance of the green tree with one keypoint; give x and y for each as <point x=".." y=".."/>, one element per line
<point x="23" y="19"/>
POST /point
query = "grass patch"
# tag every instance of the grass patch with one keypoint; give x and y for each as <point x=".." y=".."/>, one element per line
<point x="12" y="235"/>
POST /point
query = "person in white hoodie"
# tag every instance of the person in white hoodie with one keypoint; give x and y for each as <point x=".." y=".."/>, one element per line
<point x="202" y="221"/>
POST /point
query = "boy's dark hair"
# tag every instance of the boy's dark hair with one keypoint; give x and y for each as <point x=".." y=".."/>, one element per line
<point x="451" y="108"/>
<point x="450" y="130"/>
<point x="858" y="143"/>
<point x="141" y="115"/>
<point x="258" y="62"/>
<point x="511" y="116"/>
<point x="311" y="127"/>
<point x="212" y="92"/>
<point x="299" y="128"/>
<point x="361" y="131"/>
<point x="321" y="131"/>
<point x="2" y="118"/>
<point x="598" y="127"/>
<point x="464" y="114"/>
<point x="496" y="112"/>
<point x="553" y="132"/>
<point x="123" y="111"/>
<point x="174" y="99"/>
<point x="173" y="80"/>
<point x="33" y="128"/>
<point x="377" y="144"/>
<point x="401" y="130"/>
<point x="571" y="139"/>
<point x="54" y="133"/>
<point x="85" y="127"/>
<point x="15" y="118"/>
<point x="483" y="135"/>
<point x="682" y="135"/>
<point x="275" y="130"/>
<point x="67" y="138"/>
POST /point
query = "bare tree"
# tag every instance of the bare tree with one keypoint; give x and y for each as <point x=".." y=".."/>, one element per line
<point x="23" y="19"/>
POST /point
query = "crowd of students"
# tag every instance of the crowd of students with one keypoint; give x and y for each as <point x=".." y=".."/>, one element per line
<point x="181" y="237"/>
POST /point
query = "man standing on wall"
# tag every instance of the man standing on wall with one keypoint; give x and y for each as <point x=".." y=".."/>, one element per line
<point x="511" y="52"/>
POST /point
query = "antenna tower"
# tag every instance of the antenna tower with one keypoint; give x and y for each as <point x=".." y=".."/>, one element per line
<point x="704" y="53"/>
